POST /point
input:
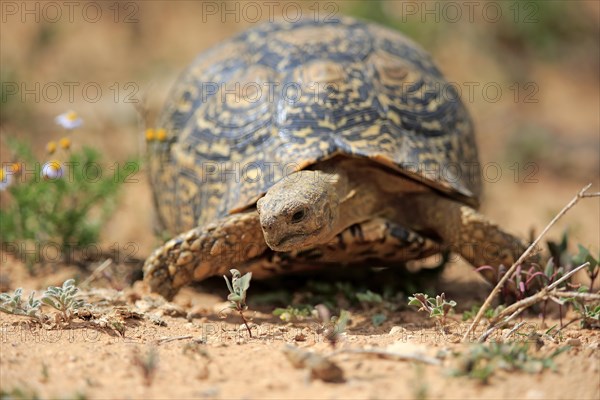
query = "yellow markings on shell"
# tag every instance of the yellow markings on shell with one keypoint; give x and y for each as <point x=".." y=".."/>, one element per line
<point x="372" y="129"/>
<point x="395" y="118"/>
<point x="252" y="173"/>
<point x="433" y="125"/>
<point x="325" y="123"/>
<point x="220" y="149"/>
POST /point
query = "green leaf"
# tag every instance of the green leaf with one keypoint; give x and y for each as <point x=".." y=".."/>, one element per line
<point x="48" y="301"/>
<point x="414" y="302"/>
<point x="234" y="297"/>
<point x="369" y="297"/>
<point x="378" y="319"/>
<point x="436" y="312"/>
<point x="584" y="256"/>
<point x="228" y="285"/>
<point x="244" y="281"/>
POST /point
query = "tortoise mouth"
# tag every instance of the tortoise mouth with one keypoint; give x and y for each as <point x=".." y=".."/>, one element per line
<point x="290" y="242"/>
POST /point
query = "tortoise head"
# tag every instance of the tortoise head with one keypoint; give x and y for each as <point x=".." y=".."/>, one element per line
<point x="300" y="211"/>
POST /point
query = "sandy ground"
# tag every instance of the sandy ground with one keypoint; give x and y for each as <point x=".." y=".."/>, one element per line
<point x="213" y="357"/>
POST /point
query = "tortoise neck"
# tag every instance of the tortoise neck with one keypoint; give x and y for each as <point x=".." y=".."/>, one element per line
<point x="358" y="190"/>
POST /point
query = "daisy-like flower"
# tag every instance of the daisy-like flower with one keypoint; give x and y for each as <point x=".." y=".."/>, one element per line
<point x="6" y="179"/>
<point x="52" y="170"/>
<point x="69" y="120"/>
<point x="51" y="147"/>
<point x="161" y="135"/>
<point x="149" y="134"/>
<point x="65" y="143"/>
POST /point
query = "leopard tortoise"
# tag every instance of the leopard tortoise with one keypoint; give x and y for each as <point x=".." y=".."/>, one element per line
<point x="295" y="146"/>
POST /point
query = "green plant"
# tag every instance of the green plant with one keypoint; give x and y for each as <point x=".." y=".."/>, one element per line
<point x="19" y="393"/>
<point x="489" y="313"/>
<point x="63" y="298"/>
<point x="369" y="297"/>
<point x="62" y="202"/>
<point x="333" y="295"/>
<point x="378" y="319"/>
<point x="293" y="313"/>
<point x="375" y="302"/>
<point x="237" y="293"/>
<point x="437" y="308"/>
<point x="588" y="314"/>
<point x="483" y="359"/>
<point x="14" y="304"/>
<point x="593" y="269"/>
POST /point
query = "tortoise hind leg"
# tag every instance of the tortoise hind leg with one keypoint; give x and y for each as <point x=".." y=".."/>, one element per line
<point x="204" y="251"/>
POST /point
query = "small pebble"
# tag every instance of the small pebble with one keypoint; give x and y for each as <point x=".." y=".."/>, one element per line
<point x="574" y="342"/>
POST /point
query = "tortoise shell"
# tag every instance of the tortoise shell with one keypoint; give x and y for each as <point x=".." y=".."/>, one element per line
<point x="283" y="96"/>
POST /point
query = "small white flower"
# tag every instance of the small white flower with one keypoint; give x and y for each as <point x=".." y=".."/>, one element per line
<point x="52" y="170"/>
<point x="69" y="120"/>
<point x="6" y="179"/>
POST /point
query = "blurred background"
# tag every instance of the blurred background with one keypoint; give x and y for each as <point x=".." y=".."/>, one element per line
<point x="528" y="72"/>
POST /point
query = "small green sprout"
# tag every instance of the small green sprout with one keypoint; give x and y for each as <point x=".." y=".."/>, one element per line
<point x="489" y="313"/>
<point x="589" y="314"/>
<point x="593" y="269"/>
<point x="237" y="293"/>
<point x="14" y="304"/>
<point x="438" y="308"/>
<point x="63" y="298"/>
<point x="375" y="302"/>
<point x="291" y="313"/>
<point x="481" y="360"/>
<point x="369" y="297"/>
<point x="378" y="319"/>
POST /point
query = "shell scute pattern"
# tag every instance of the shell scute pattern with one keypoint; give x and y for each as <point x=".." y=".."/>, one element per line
<point x="352" y="88"/>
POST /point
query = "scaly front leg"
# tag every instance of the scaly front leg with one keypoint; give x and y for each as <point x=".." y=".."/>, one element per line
<point x="204" y="251"/>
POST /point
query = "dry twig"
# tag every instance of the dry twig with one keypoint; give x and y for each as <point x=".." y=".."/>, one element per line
<point x="523" y="256"/>
<point x="96" y="273"/>
<point x="391" y="355"/>
<point x="172" y="339"/>
<point x="576" y="295"/>
<point x="513" y="330"/>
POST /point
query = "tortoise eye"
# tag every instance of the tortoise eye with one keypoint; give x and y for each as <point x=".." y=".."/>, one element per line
<point x="298" y="216"/>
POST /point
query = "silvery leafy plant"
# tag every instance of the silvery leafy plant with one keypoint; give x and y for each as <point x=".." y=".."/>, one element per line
<point x="437" y="308"/>
<point x="237" y="293"/>
<point x="63" y="298"/>
<point x="14" y="304"/>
